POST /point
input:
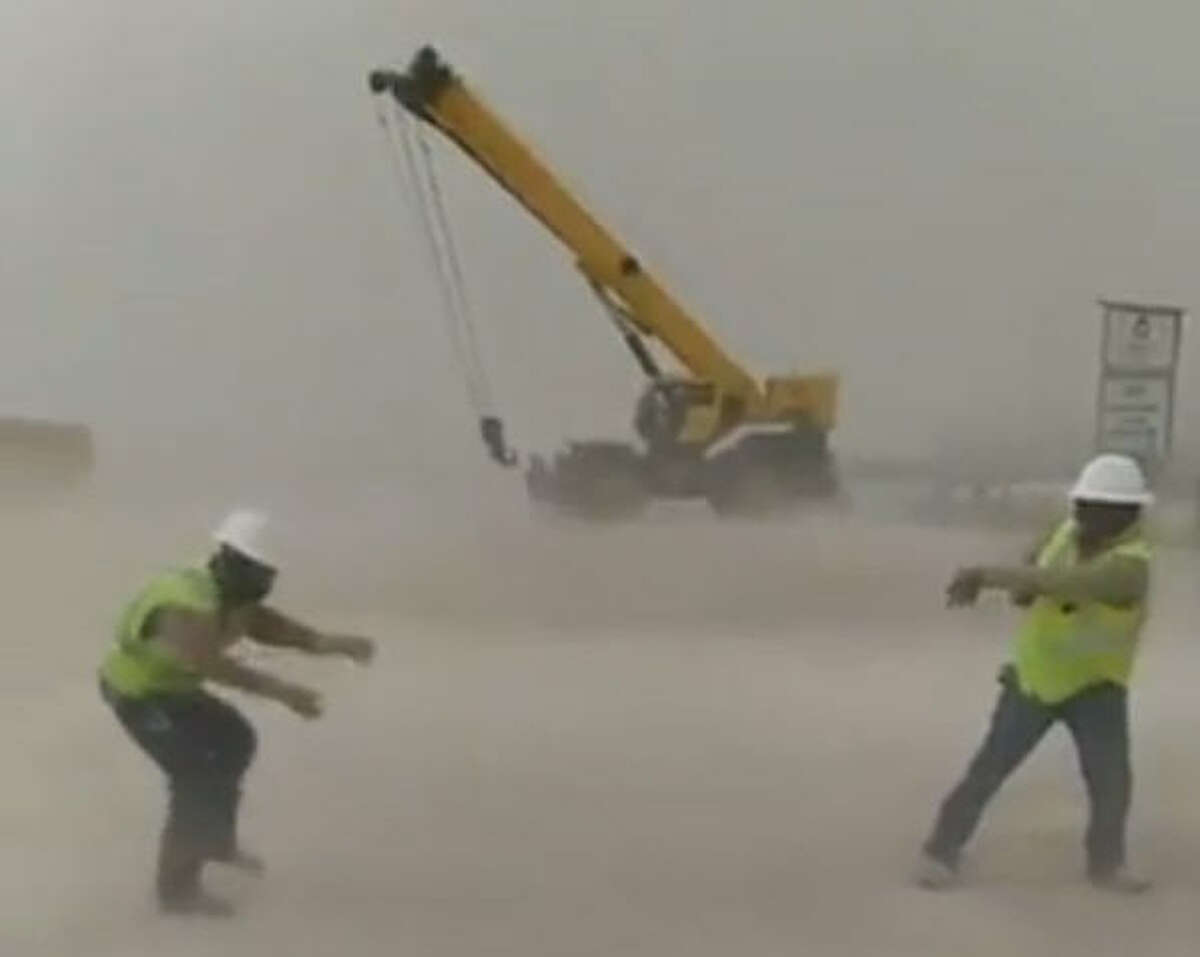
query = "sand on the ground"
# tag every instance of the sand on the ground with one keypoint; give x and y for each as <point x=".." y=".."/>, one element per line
<point x="677" y="738"/>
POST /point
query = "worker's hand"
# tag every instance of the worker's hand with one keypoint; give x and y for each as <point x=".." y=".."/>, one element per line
<point x="965" y="587"/>
<point x="354" y="647"/>
<point x="304" y="701"/>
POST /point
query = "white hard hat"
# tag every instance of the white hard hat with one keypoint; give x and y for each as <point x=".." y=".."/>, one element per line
<point x="245" y="531"/>
<point x="1115" y="479"/>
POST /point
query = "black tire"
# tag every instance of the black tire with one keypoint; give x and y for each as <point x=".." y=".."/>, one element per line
<point x="594" y="481"/>
<point x="751" y="491"/>
<point x="771" y="474"/>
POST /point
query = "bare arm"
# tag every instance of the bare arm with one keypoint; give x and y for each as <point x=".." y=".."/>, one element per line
<point x="1118" y="581"/>
<point x="196" y="640"/>
<point x="267" y="626"/>
<point x="230" y="672"/>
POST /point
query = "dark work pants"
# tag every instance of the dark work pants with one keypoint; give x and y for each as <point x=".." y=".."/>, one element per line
<point x="1098" y="721"/>
<point x="204" y="746"/>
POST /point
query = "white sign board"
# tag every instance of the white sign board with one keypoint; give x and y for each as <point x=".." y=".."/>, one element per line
<point x="1136" y="434"/>
<point x="1135" y="411"/>
<point x="1136" y="393"/>
<point x="1141" y="341"/>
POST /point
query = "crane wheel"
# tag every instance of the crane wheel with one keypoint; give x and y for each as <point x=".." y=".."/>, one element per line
<point x="768" y="475"/>
<point x="597" y="481"/>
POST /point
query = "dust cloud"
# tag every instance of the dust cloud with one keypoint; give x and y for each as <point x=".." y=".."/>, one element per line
<point x="673" y="737"/>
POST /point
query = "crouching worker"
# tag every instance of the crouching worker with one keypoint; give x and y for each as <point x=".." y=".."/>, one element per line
<point x="171" y="640"/>
<point x="1086" y="589"/>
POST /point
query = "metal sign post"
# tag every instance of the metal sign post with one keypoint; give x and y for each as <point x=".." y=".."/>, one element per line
<point x="1135" y="405"/>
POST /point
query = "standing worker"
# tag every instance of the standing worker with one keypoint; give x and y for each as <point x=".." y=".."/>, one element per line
<point x="172" y="638"/>
<point x="1086" y="588"/>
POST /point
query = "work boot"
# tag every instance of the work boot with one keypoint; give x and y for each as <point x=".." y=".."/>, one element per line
<point x="1120" y="881"/>
<point x="934" y="875"/>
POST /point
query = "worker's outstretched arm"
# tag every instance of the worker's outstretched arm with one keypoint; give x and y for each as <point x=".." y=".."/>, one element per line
<point x="195" y="639"/>
<point x="1119" y="581"/>
<point x="267" y="626"/>
<point x="227" y="671"/>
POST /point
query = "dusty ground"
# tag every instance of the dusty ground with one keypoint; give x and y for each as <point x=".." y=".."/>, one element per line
<point x="679" y="739"/>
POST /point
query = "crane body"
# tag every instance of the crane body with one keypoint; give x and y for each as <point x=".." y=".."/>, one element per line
<point x="711" y="429"/>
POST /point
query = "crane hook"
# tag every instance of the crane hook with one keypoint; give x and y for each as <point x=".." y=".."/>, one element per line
<point x="492" y="431"/>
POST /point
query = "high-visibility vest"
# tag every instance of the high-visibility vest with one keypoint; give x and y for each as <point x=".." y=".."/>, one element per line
<point x="1064" y="647"/>
<point x="136" y="666"/>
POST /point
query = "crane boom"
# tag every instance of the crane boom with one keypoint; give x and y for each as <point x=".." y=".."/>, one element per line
<point x="715" y="432"/>
<point x="434" y="93"/>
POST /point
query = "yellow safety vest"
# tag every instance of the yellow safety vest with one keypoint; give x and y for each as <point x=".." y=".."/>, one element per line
<point x="1064" y="647"/>
<point x="136" y="666"/>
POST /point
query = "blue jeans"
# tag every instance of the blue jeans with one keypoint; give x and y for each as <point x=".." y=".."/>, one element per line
<point x="1098" y="719"/>
<point x="204" y="746"/>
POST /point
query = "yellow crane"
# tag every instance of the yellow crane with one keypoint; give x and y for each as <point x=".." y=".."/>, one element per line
<point x="710" y="430"/>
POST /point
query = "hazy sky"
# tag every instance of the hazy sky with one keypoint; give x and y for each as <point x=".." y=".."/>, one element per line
<point x="201" y="236"/>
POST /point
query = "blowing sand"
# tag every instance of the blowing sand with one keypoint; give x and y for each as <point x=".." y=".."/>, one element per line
<point x="675" y="739"/>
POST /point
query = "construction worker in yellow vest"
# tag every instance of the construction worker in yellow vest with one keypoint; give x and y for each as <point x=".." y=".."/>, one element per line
<point x="1086" y="589"/>
<point x="174" y="637"/>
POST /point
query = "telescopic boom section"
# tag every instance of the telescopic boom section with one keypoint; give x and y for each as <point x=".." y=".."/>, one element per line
<point x="430" y="90"/>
